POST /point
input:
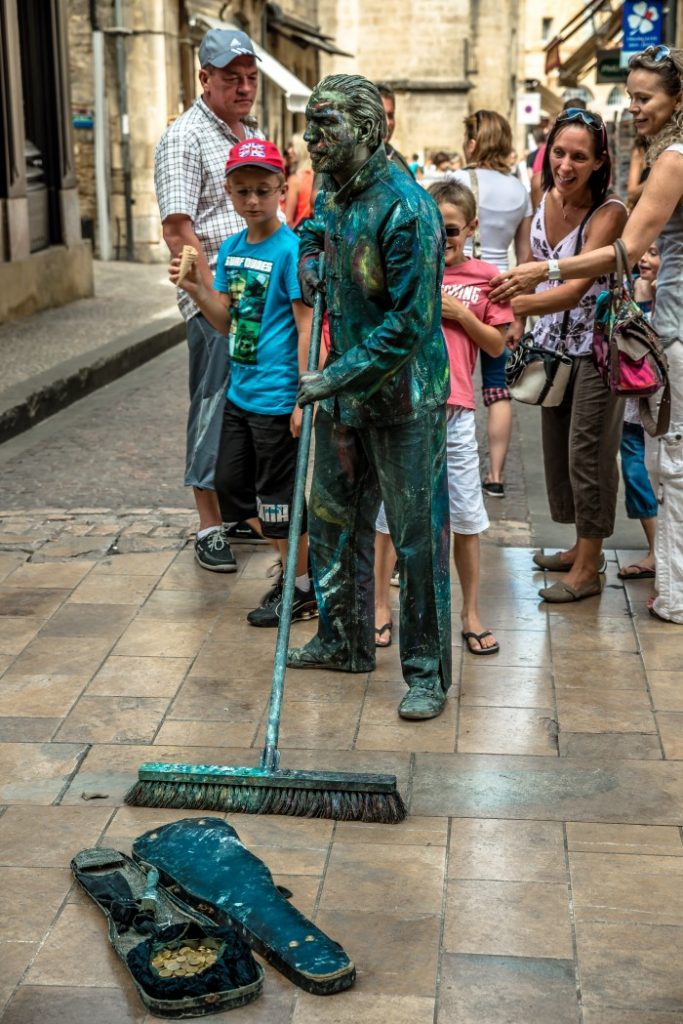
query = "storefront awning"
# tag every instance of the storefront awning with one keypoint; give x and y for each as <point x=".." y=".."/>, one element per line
<point x="550" y="101"/>
<point x="579" y="62"/>
<point x="576" y="64"/>
<point x="300" y="32"/>
<point x="296" y="92"/>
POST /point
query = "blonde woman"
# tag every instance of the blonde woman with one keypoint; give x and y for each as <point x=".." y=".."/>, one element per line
<point x="504" y="220"/>
<point x="298" y="206"/>
<point x="655" y="86"/>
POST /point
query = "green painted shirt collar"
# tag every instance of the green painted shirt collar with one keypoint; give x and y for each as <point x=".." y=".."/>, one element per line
<point x="376" y="168"/>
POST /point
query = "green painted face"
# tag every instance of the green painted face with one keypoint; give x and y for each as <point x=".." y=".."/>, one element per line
<point x="331" y="133"/>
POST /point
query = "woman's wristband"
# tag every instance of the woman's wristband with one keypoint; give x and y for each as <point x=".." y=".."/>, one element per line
<point x="553" y="272"/>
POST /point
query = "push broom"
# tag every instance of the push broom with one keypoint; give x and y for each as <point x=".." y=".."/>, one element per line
<point x="269" y="789"/>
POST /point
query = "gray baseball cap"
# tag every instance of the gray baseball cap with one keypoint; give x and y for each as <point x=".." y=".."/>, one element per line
<point x="220" y="46"/>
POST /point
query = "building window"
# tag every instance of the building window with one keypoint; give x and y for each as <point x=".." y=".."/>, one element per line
<point x="546" y="29"/>
<point x="617" y="97"/>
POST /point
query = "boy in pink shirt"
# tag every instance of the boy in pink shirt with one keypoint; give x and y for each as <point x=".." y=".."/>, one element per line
<point x="470" y="322"/>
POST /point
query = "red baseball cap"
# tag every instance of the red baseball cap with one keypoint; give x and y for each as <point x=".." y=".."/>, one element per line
<point x="256" y="153"/>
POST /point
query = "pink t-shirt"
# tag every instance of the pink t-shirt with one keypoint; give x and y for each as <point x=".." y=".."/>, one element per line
<point x="470" y="283"/>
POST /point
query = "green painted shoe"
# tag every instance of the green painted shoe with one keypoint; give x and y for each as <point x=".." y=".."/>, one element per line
<point x="315" y="655"/>
<point x="422" y="702"/>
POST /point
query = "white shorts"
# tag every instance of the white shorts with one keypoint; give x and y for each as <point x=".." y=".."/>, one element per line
<point x="468" y="514"/>
<point x="381" y="525"/>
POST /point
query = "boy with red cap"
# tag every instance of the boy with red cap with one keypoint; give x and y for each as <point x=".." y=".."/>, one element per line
<point x="256" y="303"/>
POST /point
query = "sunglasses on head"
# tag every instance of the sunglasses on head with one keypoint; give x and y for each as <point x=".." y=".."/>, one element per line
<point x="579" y="114"/>
<point x="452" y="232"/>
<point x="656" y="53"/>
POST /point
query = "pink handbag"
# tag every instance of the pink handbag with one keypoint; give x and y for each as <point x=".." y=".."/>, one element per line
<point x="626" y="348"/>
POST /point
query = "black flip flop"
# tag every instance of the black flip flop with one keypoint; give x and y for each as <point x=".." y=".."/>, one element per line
<point x="479" y="637"/>
<point x="379" y="633"/>
<point x="644" y="572"/>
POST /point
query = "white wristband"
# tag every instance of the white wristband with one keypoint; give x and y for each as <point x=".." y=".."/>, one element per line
<point x="554" y="270"/>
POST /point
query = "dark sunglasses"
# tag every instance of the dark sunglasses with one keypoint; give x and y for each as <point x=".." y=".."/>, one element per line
<point x="452" y="232"/>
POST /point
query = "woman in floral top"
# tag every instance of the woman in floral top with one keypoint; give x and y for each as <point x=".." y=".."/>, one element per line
<point x="581" y="436"/>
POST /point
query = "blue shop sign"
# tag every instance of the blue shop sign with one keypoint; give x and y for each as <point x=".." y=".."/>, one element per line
<point x="642" y="23"/>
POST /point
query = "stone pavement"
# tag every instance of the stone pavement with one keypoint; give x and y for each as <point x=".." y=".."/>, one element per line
<point x="537" y="877"/>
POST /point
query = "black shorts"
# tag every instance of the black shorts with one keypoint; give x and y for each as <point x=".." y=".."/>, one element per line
<point x="255" y="470"/>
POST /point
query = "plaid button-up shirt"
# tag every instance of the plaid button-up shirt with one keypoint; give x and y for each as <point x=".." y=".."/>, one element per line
<point x="189" y="178"/>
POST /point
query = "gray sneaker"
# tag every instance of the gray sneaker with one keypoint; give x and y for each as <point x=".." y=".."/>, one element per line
<point x="213" y="552"/>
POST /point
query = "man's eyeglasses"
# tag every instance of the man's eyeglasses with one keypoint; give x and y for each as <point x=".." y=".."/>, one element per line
<point x="452" y="232"/>
<point x="260" y="193"/>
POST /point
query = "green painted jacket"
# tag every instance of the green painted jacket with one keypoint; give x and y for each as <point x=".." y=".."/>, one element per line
<point x="383" y="239"/>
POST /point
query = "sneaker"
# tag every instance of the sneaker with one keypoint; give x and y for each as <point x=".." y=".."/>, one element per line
<point x="268" y="612"/>
<point x="213" y="552"/>
<point x="494" y="490"/>
<point x="243" y="533"/>
<point x="395" y="581"/>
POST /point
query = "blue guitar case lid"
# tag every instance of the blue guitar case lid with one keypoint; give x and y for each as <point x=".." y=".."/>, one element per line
<point x="204" y="861"/>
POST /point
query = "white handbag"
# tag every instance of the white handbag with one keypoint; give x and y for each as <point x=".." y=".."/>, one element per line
<point x="538" y="376"/>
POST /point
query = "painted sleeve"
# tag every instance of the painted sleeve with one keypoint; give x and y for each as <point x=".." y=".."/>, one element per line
<point x="312" y="236"/>
<point x="413" y="258"/>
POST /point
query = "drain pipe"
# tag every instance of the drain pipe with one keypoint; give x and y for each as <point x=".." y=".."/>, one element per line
<point x="125" y="125"/>
<point x="100" y="137"/>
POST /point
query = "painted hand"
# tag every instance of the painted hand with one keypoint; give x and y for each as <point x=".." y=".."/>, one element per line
<point x="312" y="386"/>
<point x="310" y="282"/>
<point x="520" y="280"/>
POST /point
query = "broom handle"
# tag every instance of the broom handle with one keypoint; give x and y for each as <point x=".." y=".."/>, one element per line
<point x="270" y="758"/>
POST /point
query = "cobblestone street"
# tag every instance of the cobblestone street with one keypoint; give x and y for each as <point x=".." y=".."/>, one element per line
<point x="538" y="874"/>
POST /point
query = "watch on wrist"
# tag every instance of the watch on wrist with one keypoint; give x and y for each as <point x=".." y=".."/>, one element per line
<point x="554" y="270"/>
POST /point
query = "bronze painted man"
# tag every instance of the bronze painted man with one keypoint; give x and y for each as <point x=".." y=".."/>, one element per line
<point x="381" y="425"/>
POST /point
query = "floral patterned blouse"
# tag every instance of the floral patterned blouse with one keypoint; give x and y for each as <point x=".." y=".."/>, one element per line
<point x="548" y="328"/>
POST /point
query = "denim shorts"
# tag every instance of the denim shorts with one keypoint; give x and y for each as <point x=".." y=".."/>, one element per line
<point x="493" y="386"/>
<point x="640" y="498"/>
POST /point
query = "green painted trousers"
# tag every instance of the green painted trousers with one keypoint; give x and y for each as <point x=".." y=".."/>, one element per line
<point x="356" y="467"/>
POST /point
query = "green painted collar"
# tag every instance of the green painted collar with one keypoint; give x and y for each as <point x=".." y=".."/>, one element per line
<point x="374" y="169"/>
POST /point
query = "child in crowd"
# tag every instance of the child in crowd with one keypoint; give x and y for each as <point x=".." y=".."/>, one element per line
<point x="256" y="302"/>
<point x="470" y="322"/>
<point x="640" y="499"/>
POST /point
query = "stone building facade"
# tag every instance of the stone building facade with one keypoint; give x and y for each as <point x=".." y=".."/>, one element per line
<point x="153" y="48"/>
<point x="443" y="58"/>
<point x="43" y="259"/>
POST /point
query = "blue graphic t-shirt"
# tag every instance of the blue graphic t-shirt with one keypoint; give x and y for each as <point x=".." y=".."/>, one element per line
<point x="261" y="280"/>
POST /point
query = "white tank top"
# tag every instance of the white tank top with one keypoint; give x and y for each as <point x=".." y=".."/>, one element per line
<point x="548" y="328"/>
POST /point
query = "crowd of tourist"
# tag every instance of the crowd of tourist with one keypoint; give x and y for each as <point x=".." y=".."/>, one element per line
<point x="557" y="225"/>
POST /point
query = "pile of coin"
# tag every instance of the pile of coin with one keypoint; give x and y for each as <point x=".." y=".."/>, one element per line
<point x="185" y="961"/>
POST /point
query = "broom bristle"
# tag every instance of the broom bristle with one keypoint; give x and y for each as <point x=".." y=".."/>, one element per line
<point x="382" y="808"/>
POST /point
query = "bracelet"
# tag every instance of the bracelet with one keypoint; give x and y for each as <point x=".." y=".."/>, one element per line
<point x="554" y="273"/>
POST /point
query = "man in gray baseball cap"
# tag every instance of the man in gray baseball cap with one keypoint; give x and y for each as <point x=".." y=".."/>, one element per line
<point x="220" y="46"/>
<point x="189" y="179"/>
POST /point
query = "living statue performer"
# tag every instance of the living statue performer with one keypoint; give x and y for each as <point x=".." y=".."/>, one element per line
<point x="380" y="429"/>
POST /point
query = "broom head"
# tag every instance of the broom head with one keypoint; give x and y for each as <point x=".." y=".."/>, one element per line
<point x="343" y="796"/>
